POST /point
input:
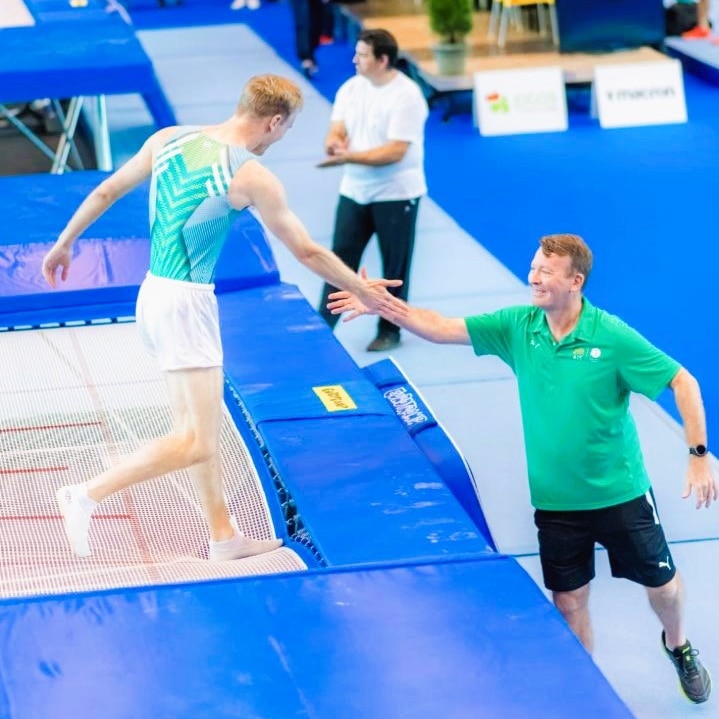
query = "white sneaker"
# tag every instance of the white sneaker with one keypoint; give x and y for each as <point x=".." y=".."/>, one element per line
<point x="237" y="4"/>
<point x="240" y="546"/>
<point x="76" y="509"/>
<point x="253" y="4"/>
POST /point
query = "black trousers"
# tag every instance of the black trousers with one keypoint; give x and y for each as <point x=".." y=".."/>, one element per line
<point x="394" y="222"/>
<point x="309" y="19"/>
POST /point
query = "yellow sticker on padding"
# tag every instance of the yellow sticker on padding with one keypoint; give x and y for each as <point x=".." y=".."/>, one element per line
<point x="334" y="397"/>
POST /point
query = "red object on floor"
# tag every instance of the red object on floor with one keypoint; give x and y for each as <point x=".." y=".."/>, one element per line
<point x="697" y="33"/>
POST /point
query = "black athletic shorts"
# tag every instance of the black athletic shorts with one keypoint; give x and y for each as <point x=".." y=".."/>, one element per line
<point x="630" y="532"/>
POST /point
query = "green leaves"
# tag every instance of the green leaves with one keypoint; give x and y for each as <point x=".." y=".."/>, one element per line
<point x="450" y="19"/>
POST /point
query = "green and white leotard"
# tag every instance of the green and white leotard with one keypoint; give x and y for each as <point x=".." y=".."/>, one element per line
<point x="190" y="215"/>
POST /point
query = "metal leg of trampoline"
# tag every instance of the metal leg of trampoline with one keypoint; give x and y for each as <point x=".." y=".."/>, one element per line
<point x="69" y="127"/>
<point x="74" y="153"/>
<point x="101" y="136"/>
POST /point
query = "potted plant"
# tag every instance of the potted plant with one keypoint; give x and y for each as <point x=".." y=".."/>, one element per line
<point x="452" y="21"/>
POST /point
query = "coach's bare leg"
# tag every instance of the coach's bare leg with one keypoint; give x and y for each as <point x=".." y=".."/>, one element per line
<point x="667" y="602"/>
<point x="574" y="607"/>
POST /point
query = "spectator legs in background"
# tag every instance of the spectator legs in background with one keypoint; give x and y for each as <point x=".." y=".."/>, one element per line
<point x="308" y="16"/>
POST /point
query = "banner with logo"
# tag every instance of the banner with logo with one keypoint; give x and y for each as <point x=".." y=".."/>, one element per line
<point x="512" y="102"/>
<point x="645" y="93"/>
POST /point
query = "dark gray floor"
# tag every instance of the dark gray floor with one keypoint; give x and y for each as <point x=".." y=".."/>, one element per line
<point x="19" y="156"/>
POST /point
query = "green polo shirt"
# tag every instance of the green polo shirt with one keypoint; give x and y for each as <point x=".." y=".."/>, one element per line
<point x="581" y="441"/>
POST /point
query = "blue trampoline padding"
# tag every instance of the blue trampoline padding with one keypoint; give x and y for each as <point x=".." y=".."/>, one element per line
<point x="112" y="256"/>
<point x="297" y="400"/>
<point x="462" y="640"/>
<point x="65" y="59"/>
<point x="430" y="437"/>
<point x="363" y="489"/>
<point x="272" y="336"/>
<point x="366" y="493"/>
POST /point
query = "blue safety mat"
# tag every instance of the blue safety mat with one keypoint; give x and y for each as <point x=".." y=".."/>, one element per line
<point x="462" y="640"/>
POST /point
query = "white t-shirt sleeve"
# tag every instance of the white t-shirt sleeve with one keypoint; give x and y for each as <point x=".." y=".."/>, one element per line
<point x="408" y="117"/>
<point x="341" y="103"/>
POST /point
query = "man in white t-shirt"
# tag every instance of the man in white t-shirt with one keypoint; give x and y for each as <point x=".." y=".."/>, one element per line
<point x="377" y="133"/>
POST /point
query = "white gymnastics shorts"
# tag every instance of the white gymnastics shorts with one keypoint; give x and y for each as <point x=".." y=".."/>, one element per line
<point x="179" y="323"/>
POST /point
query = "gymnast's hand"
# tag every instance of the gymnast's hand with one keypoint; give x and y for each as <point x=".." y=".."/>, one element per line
<point x="375" y="299"/>
<point x="343" y="301"/>
<point x="58" y="256"/>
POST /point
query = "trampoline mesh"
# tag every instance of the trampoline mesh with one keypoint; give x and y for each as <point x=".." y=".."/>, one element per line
<point x="71" y="401"/>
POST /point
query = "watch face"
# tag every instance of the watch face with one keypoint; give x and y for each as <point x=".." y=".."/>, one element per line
<point x="700" y="450"/>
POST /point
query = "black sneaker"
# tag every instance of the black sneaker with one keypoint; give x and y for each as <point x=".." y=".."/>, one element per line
<point x="694" y="679"/>
<point x="384" y="342"/>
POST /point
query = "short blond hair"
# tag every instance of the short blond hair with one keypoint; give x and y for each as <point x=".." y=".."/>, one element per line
<point x="268" y="95"/>
<point x="572" y="246"/>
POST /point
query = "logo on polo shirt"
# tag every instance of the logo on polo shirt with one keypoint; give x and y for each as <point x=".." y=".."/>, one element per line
<point x="581" y="353"/>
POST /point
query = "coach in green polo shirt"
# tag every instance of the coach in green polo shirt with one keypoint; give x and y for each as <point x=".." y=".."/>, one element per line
<point x="574" y="391"/>
<point x="576" y="367"/>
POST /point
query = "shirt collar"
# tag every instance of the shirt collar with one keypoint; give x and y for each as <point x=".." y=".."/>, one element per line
<point x="584" y="329"/>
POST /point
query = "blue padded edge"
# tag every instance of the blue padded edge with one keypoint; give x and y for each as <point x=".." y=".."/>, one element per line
<point x="431" y="437"/>
<point x="276" y="501"/>
<point x="454" y="639"/>
<point x="296" y="399"/>
<point x="77" y="315"/>
<point x="266" y="479"/>
<point x="273" y="336"/>
<point x="113" y="252"/>
<point x="366" y="493"/>
<point x="362" y="488"/>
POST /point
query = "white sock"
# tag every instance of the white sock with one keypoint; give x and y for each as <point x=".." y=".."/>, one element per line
<point x="240" y="546"/>
<point x="76" y="509"/>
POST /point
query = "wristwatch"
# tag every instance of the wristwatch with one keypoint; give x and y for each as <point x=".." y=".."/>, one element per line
<point x="698" y="450"/>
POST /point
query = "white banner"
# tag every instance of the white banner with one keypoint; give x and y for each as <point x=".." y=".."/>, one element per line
<point x="511" y="102"/>
<point x="646" y="93"/>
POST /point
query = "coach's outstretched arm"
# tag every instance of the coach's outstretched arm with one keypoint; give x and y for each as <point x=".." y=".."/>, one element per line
<point x="425" y="323"/>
